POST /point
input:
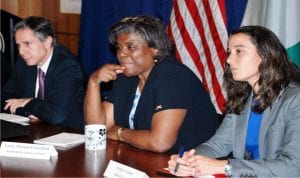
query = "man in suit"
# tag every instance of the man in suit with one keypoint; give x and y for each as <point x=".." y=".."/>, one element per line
<point x="57" y="98"/>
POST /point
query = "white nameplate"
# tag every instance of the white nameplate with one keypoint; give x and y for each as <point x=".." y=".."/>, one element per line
<point x="27" y="150"/>
<point x="118" y="170"/>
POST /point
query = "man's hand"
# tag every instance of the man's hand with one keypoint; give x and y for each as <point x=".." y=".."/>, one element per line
<point x="14" y="104"/>
<point x="33" y="119"/>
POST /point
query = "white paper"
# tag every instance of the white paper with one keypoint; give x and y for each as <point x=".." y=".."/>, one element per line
<point x="27" y="150"/>
<point x="14" y="118"/>
<point x="117" y="170"/>
<point x="63" y="139"/>
<point x="70" y="6"/>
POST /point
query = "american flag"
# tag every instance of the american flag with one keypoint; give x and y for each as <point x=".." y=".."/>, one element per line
<point x="198" y="30"/>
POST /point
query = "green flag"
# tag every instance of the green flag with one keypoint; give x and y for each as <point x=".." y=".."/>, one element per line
<point x="282" y="17"/>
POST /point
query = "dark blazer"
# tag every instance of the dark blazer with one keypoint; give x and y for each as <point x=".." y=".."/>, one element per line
<point x="65" y="86"/>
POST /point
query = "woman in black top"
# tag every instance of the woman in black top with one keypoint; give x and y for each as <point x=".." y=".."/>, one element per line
<point x="156" y="103"/>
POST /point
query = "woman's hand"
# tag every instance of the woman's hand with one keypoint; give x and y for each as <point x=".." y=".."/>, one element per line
<point x="196" y="165"/>
<point x="96" y="111"/>
<point x="184" y="169"/>
<point x="112" y="133"/>
<point x="106" y="73"/>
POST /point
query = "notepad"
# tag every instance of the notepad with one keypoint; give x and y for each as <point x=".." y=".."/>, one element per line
<point x="63" y="139"/>
<point x="14" y="118"/>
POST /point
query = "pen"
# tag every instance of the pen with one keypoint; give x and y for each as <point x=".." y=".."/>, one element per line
<point x="181" y="151"/>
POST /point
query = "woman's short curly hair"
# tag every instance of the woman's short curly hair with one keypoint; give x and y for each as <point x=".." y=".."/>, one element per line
<point x="149" y="28"/>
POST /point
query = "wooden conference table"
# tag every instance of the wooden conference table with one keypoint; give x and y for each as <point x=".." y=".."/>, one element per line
<point x="78" y="162"/>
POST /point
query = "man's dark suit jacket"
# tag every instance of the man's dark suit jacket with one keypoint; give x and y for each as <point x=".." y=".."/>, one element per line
<point x="65" y="86"/>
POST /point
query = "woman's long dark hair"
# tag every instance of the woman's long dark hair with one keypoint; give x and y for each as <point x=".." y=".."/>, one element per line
<point x="275" y="71"/>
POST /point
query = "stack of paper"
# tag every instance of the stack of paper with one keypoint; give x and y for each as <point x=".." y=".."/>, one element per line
<point x="63" y="139"/>
<point x="14" y="118"/>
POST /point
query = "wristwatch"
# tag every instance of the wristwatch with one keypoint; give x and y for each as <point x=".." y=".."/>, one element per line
<point x="119" y="131"/>
<point x="228" y="170"/>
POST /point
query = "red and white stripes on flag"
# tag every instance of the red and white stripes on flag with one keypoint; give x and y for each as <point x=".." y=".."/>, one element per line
<point x="198" y="30"/>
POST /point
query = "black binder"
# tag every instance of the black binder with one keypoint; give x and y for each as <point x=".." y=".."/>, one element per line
<point x="10" y="129"/>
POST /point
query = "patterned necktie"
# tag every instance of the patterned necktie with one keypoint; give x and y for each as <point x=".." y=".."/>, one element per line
<point x="41" y="84"/>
